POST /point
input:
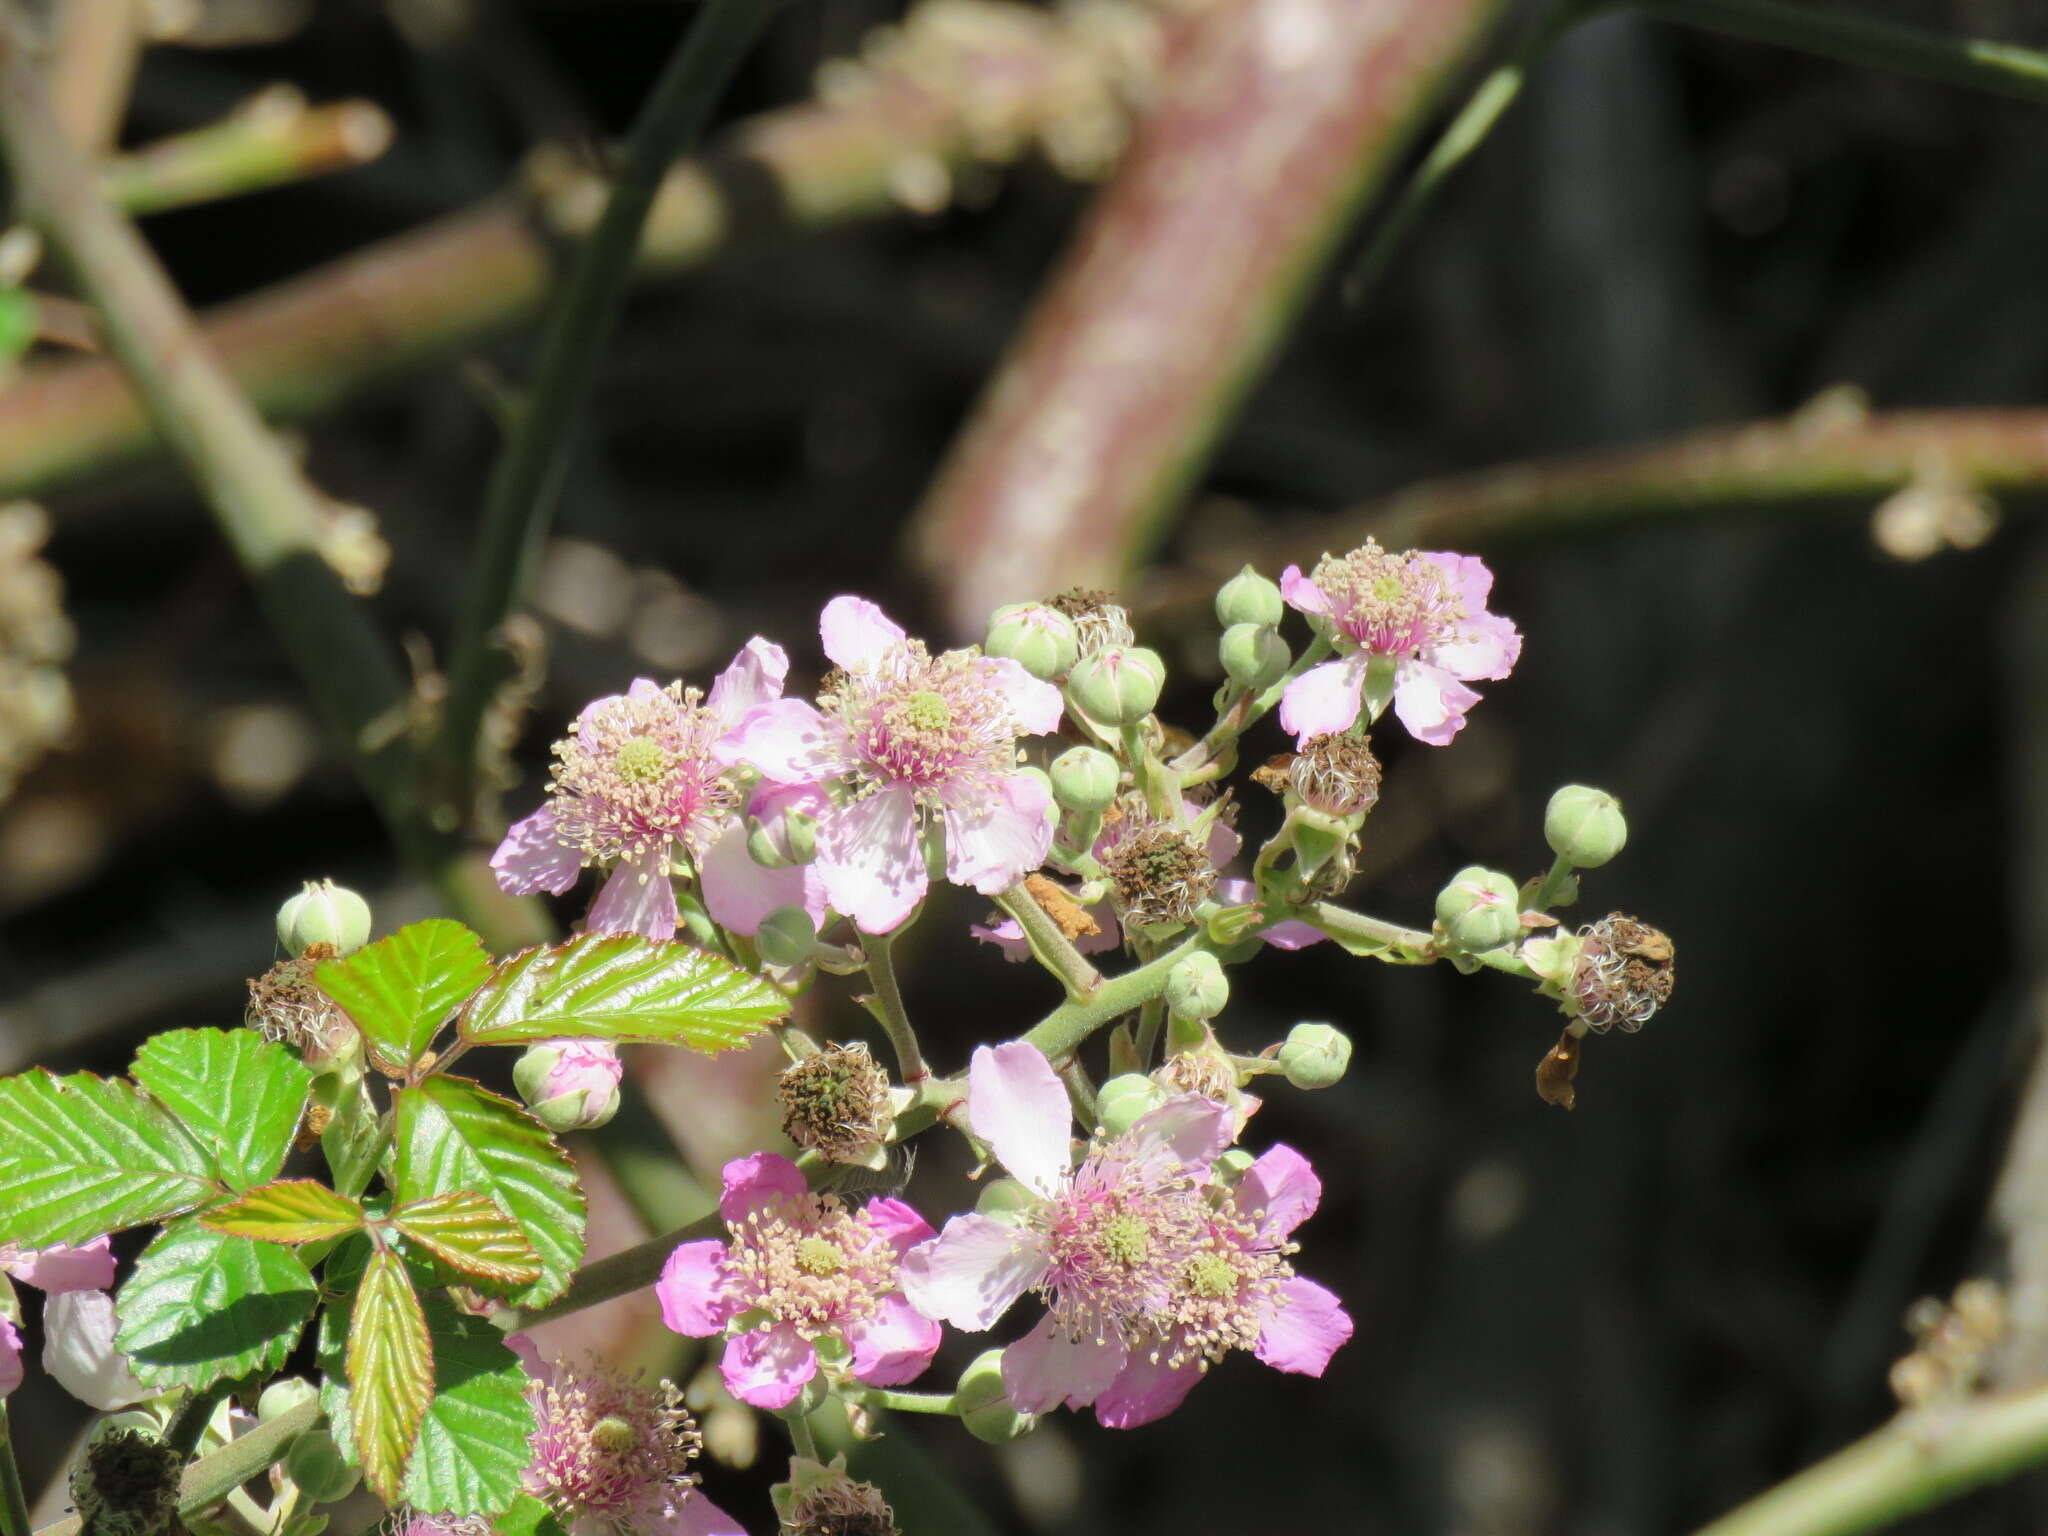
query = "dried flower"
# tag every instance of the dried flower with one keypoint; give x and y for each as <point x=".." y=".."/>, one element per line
<point x="821" y="1500"/>
<point x="1336" y="774"/>
<point x="1099" y="620"/>
<point x="126" y="1484"/>
<point x="836" y="1103"/>
<point x="1161" y="870"/>
<point x="1623" y="975"/>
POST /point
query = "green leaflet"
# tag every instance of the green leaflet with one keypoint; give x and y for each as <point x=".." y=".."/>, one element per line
<point x="623" y="988"/>
<point x="240" y="1095"/>
<point x="390" y="1373"/>
<point x="471" y="1233"/>
<point x="289" y="1211"/>
<point x="202" y="1307"/>
<point x="400" y="989"/>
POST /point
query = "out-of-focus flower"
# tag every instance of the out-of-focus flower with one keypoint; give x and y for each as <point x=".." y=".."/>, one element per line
<point x="1425" y="611"/>
<point x="922" y="742"/>
<point x="799" y="1267"/>
<point x="61" y="1267"/>
<point x="80" y="1355"/>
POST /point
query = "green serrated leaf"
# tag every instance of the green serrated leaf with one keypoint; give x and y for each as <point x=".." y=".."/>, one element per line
<point x="82" y="1156"/>
<point x="453" y="1135"/>
<point x="239" y="1094"/>
<point x="528" y="1517"/>
<point x="289" y="1211"/>
<point x="202" y="1308"/>
<point x="400" y="989"/>
<point x="623" y="988"/>
<point x="390" y="1373"/>
<point x="474" y="1441"/>
<point x="472" y="1233"/>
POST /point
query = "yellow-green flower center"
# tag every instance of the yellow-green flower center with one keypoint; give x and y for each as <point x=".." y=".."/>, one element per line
<point x="928" y="711"/>
<point x="815" y="1256"/>
<point x="639" y="761"/>
<point x="613" y="1434"/>
<point x="1125" y="1240"/>
<point x="1210" y="1275"/>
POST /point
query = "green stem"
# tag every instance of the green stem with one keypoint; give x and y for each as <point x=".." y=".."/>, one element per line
<point x="527" y="480"/>
<point x="1049" y="946"/>
<point x="194" y="1414"/>
<point x="1193" y="764"/>
<point x="1081" y="1093"/>
<point x="1919" y="1459"/>
<point x="801" y="1439"/>
<point x="1151" y="1019"/>
<point x="13" y="1502"/>
<point x="887" y="1007"/>
<point x="1406" y="946"/>
<point x="246" y="153"/>
<point x="1553" y="882"/>
<point x="910" y="1402"/>
<point x="2002" y="68"/>
<point x="1060" y="1033"/>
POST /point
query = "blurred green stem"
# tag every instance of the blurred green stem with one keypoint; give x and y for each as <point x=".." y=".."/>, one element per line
<point x="1921" y="1458"/>
<point x="2002" y="68"/>
<point x="526" y="482"/>
<point x="247" y="152"/>
<point x="13" y="1502"/>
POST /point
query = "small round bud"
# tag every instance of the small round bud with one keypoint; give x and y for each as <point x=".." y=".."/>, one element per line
<point x="781" y="835"/>
<point x="324" y="913"/>
<point x="1480" y="909"/>
<point x="1196" y="988"/>
<point x="1315" y="1056"/>
<point x="1249" y="598"/>
<point x="570" y="1085"/>
<point x="786" y="937"/>
<point x="281" y="1397"/>
<point x="836" y="1103"/>
<point x="1233" y="1165"/>
<point x="1085" y="779"/>
<point x="1120" y="685"/>
<point x="1004" y="1197"/>
<point x="315" y="1464"/>
<point x="1042" y="640"/>
<point x="984" y="1402"/>
<point x="1253" y="655"/>
<point x="1584" y="826"/>
<point x="1126" y="1099"/>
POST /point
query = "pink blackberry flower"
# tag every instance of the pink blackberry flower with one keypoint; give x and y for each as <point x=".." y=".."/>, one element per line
<point x="612" y="1454"/>
<point x="1423" y="610"/>
<point x="1105" y="1245"/>
<point x="799" y="1267"/>
<point x="922" y="743"/>
<point x="61" y="1267"/>
<point x="79" y="1325"/>
<point x="638" y="788"/>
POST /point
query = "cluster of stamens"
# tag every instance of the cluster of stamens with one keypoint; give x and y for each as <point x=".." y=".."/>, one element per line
<point x="1336" y="774"/>
<point x="284" y="1005"/>
<point x="1227" y="1288"/>
<point x="1162" y="872"/>
<point x="841" y="1507"/>
<point x="926" y="721"/>
<point x="1623" y="975"/>
<point x="1391" y="605"/>
<point x="836" y="1102"/>
<point x="1100" y="621"/>
<point x="637" y="777"/>
<point x="126" y="1484"/>
<point x="809" y="1261"/>
<point x="611" y="1448"/>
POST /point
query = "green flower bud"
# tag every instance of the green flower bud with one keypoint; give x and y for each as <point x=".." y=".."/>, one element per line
<point x="1233" y="1165"/>
<point x="1126" y="1099"/>
<point x="1003" y="1197"/>
<point x="1042" y="640"/>
<point x="1480" y="909"/>
<point x="1249" y="598"/>
<point x="316" y="1465"/>
<point x="1118" y="686"/>
<point x="570" y="1085"/>
<point x="1253" y="655"/>
<point x="786" y="936"/>
<point x="1085" y="779"/>
<point x="781" y="839"/>
<point x="1584" y="826"/>
<point x="324" y="913"/>
<point x="984" y="1402"/>
<point x="281" y="1397"/>
<point x="1315" y="1056"/>
<point x="1196" y="988"/>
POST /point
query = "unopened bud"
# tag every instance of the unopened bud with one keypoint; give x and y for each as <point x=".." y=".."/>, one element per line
<point x="315" y="1464"/>
<point x="1040" y="639"/>
<point x="324" y="913"/>
<point x="1126" y="1099"/>
<point x="1315" y="1056"/>
<point x="281" y="1397"/>
<point x="1118" y="686"/>
<point x="1480" y="909"/>
<point x="1196" y="987"/>
<point x="1584" y="826"/>
<point x="1249" y="598"/>
<point x="786" y="937"/>
<point x="570" y="1085"/>
<point x="1085" y="779"/>
<point x="1254" y="655"/>
<point x="779" y="835"/>
<point x="1005" y="1197"/>
<point x="984" y="1402"/>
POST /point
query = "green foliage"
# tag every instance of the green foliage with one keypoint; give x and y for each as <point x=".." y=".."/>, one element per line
<point x="528" y="1517"/>
<point x="400" y="989"/>
<point x="289" y="1211"/>
<point x="473" y="1441"/>
<point x="202" y="1307"/>
<point x="472" y="1233"/>
<point x="390" y="1372"/>
<point x="622" y="988"/>
<point x="454" y="1136"/>
<point x="83" y="1156"/>
<point x="239" y="1094"/>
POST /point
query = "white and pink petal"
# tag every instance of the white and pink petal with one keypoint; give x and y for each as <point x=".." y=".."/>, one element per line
<point x="1323" y="700"/>
<point x="870" y="860"/>
<point x="894" y="1345"/>
<point x="971" y="1273"/>
<point x="1017" y="1104"/>
<point x="1307" y="1325"/>
<point x="768" y="1367"/>
<point x="857" y="635"/>
<point x="638" y="898"/>
<point x="1046" y="1368"/>
<point x="996" y="841"/>
<point x="532" y="858"/>
<point x="690" y="1289"/>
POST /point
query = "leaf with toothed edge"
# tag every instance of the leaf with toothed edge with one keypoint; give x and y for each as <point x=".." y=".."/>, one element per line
<point x="401" y="989"/>
<point x="472" y="1233"/>
<point x="390" y="1373"/>
<point x="289" y="1211"/>
<point x="202" y="1307"/>
<point x="240" y="1095"/>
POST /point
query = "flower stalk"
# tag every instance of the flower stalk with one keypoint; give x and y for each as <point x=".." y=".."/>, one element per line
<point x="13" y="1502"/>
<point x="1050" y="947"/>
<point x="887" y="1007"/>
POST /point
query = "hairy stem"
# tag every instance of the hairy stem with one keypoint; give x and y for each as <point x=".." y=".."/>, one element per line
<point x="527" y="480"/>
<point x="1060" y="1033"/>
<point x="887" y="1007"/>
<point x="1049" y="946"/>
<point x="1390" y="941"/>
<point x="910" y="1402"/>
<point x="193" y="1416"/>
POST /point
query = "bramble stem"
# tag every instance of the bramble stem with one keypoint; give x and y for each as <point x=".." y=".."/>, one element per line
<point x="1060" y="1033"/>
<point x="887" y="1007"/>
<point x="910" y="1402"/>
<point x="1401" y="946"/>
<point x="1049" y="946"/>
<point x="526" y="482"/>
<point x="192" y="1418"/>
<point x="1194" y="765"/>
<point x="247" y="152"/>
<point x="1919" y="1459"/>
<point x="13" y="1502"/>
<point x="1553" y="882"/>
<point x="801" y="1439"/>
<point x="2002" y="68"/>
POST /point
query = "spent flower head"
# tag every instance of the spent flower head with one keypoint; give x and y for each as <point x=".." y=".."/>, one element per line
<point x="835" y="1102"/>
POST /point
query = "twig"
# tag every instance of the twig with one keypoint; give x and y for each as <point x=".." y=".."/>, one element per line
<point x="13" y="1501"/>
<point x="1060" y="1033"/>
<point x="2002" y="68"/>
<point x="256" y="148"/>
<point x="527" y="480"/>
<point x="887" y="1007"/>
<point x="193" y="1415"/>
<point x="92" y="67"/>
<point x="1163" y="314"/>
<point x="1049" y="946"/>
